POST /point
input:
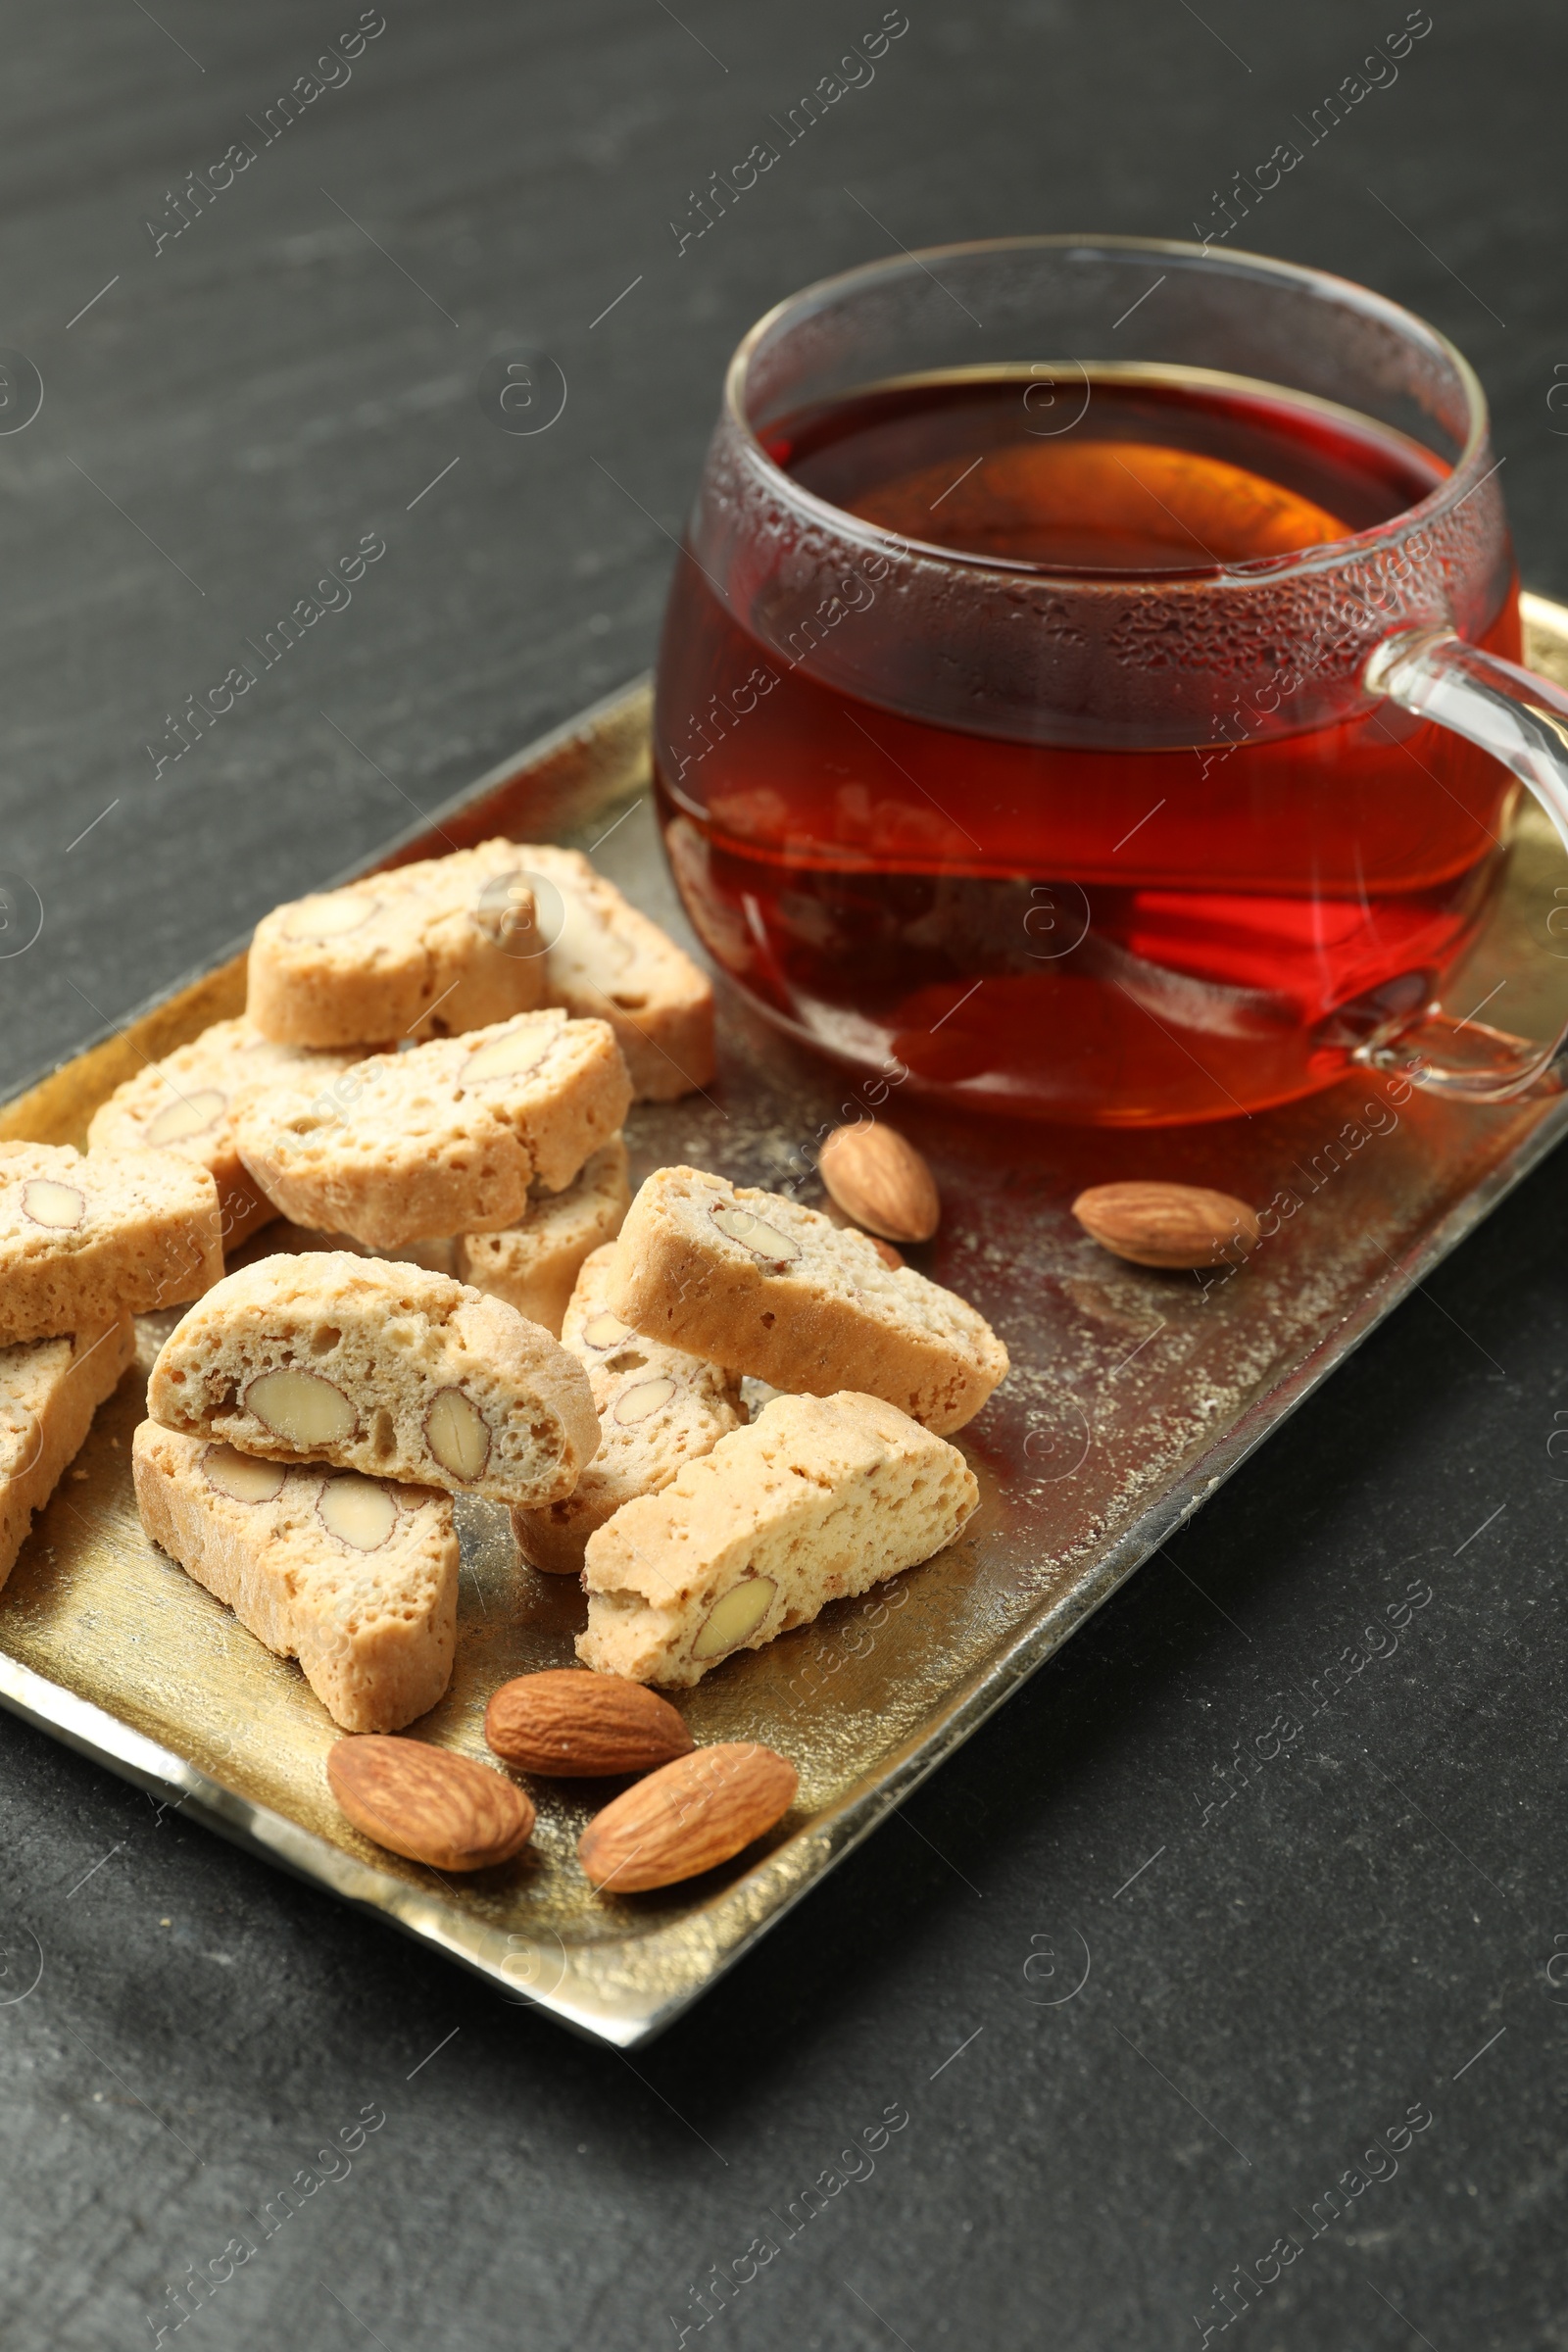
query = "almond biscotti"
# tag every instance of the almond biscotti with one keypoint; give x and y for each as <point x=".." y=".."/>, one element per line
<point x="534" y="1264"/>
<point x="658" y="1408"/>
<point x="187" y="1104"/>
<point x="609" y="960"/>
<point x="819" y="1498"/>
<point x="756" y="1283"/>
<point x="386" y="1369"/>
<point x="49" y="1392"/>
<point x="448" y="1138"/>
<point x="423" y="951"/>
<point x="85" y="1241"/>
<point x="355" y="1576"/>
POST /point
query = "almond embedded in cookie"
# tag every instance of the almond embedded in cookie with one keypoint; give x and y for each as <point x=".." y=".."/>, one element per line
<point x="86" y="1240"/>
<point x="355" y="1576"/>
<point x="756" y="1283"/>
<point x="609" y="961"/>
<point x="187" y="1104"/>
<point x="446" y="1139"/>
<point x="819" y="1498"/>
<point x="385" y="1369"/>
<point x="658" y="1408"/>
<point x="422" y="950"/>
<point x="534" y="1264"/>
<point x="49" y="1392"/>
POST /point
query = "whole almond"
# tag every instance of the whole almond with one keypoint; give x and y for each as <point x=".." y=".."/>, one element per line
<point x="1172" y="1225"/>
<point x="569" y="1724"/>
<point x="427" y="1803"/>
<point x="881" y="1180"/>
<point x="692" y="1814"/>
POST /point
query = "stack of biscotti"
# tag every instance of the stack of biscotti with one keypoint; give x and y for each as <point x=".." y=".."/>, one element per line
<point x="311" y="1421"/>
<point x="700" y="1538"/>
<point x="86" y="1242"/>
<point x="425" y="952"/>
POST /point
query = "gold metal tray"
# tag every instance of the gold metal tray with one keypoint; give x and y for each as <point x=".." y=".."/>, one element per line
<point x="1133" y="1395"/>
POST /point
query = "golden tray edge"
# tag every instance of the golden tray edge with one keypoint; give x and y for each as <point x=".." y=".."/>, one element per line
<point x="625" y="1988"/>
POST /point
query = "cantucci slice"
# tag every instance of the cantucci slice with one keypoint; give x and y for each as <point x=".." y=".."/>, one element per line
<point x="448" y="1138"/>
<point x="86" y="1240"/>
<point x="658" y="1408"/>
<point x="355" y="1576"/>
<point x="422" y="950"/>
<point x="49" y="1392"/>
<point x="756" y="1283"/>
<point x="819" y="1498"/>
<point x="386" y="1369"/>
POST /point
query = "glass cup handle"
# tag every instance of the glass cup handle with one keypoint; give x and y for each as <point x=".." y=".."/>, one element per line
<point x="1523" y="722"/>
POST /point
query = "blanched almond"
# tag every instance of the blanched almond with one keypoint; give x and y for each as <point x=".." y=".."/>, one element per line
<point x="880" y="1180"/>
<point x="512" y="1057"/>
<point x="187" y="1116"/>
<point x="642" y="1400"/>
<point x="605" y="1330"/>
<point x="427" y="1803"/>
<point x="735" y="1616"/>
<point x="240" y="1476"/>
<point x="569" y="1724"/>
<point x="356" y="1510"/>
<point x="60" y="1207"/>
<point x="691" y="1815"/>
<point x="300" y="1408"/>
<point x="750" y="1231"/>
<point x="1177" y="1226"/>
<point x="456" y="1434"/>
<point x="332" y="916"/>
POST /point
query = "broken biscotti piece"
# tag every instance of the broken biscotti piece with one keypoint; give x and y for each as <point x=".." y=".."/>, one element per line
<point x="423" y="951"/>
<point x="822" y="1497"/>
<point x="658" y="1408"/>
<point x="607" y="959"/>
<point x="446" y="1139"/>
<point x="753" y="1282"/>
<point x="355" y="1576"/>
<point x="49" y="1392"/>
<point x="84" y="1241"/>
<point x="387" y="1369"/>
<point x="186" y="1103"/>
<point x="534" y="1264"/>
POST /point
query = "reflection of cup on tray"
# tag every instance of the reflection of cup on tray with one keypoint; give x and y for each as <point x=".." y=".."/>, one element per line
<point x="1088" y="682"/>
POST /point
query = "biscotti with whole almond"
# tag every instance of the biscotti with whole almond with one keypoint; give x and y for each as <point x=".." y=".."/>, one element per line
<point x="423" y="951"/>
<point x="49" y="1392"/>
<point x="448" y="1138"/>
<point x="658" y="1408"/>
<point x="608" y="960"/>
<point x="386" y="1369"/>
<point x="187" y="1104"/>
<point x="761" y="1285"/>
<point x="86" y="1240"/>
<point x="819" y="1498"/>
<point x="355" y="1576"/>
<point x="535" y="1263"/>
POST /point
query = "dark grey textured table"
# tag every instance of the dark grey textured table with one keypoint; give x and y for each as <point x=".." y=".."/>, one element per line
<point x="1285" y="1958"/>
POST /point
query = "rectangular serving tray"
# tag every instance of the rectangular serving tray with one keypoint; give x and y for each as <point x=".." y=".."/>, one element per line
<point x="1133" y="1395"/>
